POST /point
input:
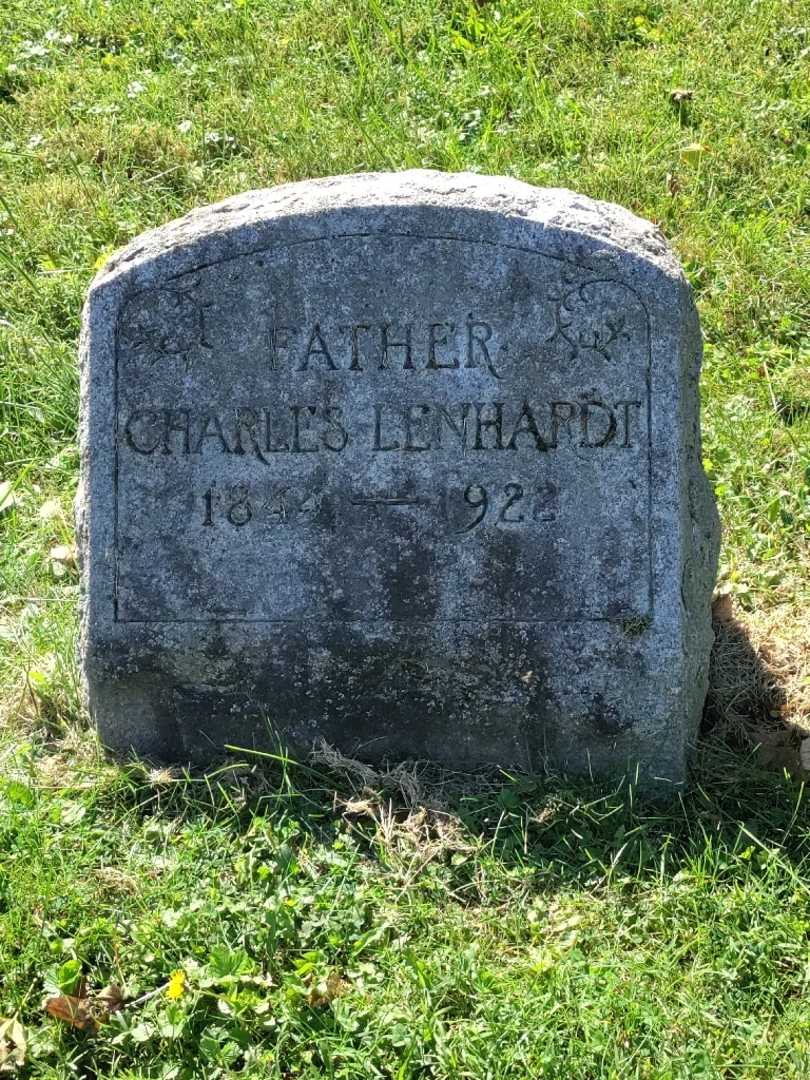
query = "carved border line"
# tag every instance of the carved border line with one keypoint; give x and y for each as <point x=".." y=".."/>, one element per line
<point x="251" y="252"/>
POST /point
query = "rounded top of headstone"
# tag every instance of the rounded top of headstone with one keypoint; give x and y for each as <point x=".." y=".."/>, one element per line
<point x="498" y="209"/>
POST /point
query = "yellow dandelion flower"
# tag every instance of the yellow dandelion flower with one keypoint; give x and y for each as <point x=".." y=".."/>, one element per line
<point x="177" y="985"/>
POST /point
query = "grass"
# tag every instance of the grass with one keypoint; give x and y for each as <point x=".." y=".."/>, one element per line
<point x="334" y="923"/>
<point x="526" y="931"/>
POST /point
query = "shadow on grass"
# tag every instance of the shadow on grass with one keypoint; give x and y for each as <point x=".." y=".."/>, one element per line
<point x="759" y="689"/>
<point x="554" y="831"/>
<point x="746" y="790"/>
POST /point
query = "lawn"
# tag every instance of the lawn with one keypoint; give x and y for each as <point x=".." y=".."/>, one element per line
<point x="283" y="919"/>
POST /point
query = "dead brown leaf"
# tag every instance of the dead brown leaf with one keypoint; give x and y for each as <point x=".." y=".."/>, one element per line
<point x="85" y="1010"/>
<point x="71" y="1010"/>
<point x="12" y="1045"/>
<point x="326" y="990"/>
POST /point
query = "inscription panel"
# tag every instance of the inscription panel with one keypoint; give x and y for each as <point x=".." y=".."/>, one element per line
<point x="383" y="428"/>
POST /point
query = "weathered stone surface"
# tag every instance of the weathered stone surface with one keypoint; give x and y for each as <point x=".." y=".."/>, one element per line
<point x="410" y="462"/>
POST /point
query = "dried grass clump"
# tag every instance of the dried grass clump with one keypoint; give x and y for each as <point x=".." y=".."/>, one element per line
<point x="409" y="784"/>
<point x="759" y="680"/>
<point x="408" y="804"/>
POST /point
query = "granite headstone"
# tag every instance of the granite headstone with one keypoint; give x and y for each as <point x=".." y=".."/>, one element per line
<point x="408" y="462"/>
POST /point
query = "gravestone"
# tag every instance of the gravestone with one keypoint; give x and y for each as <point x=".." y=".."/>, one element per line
<point x="408" y="462"/>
